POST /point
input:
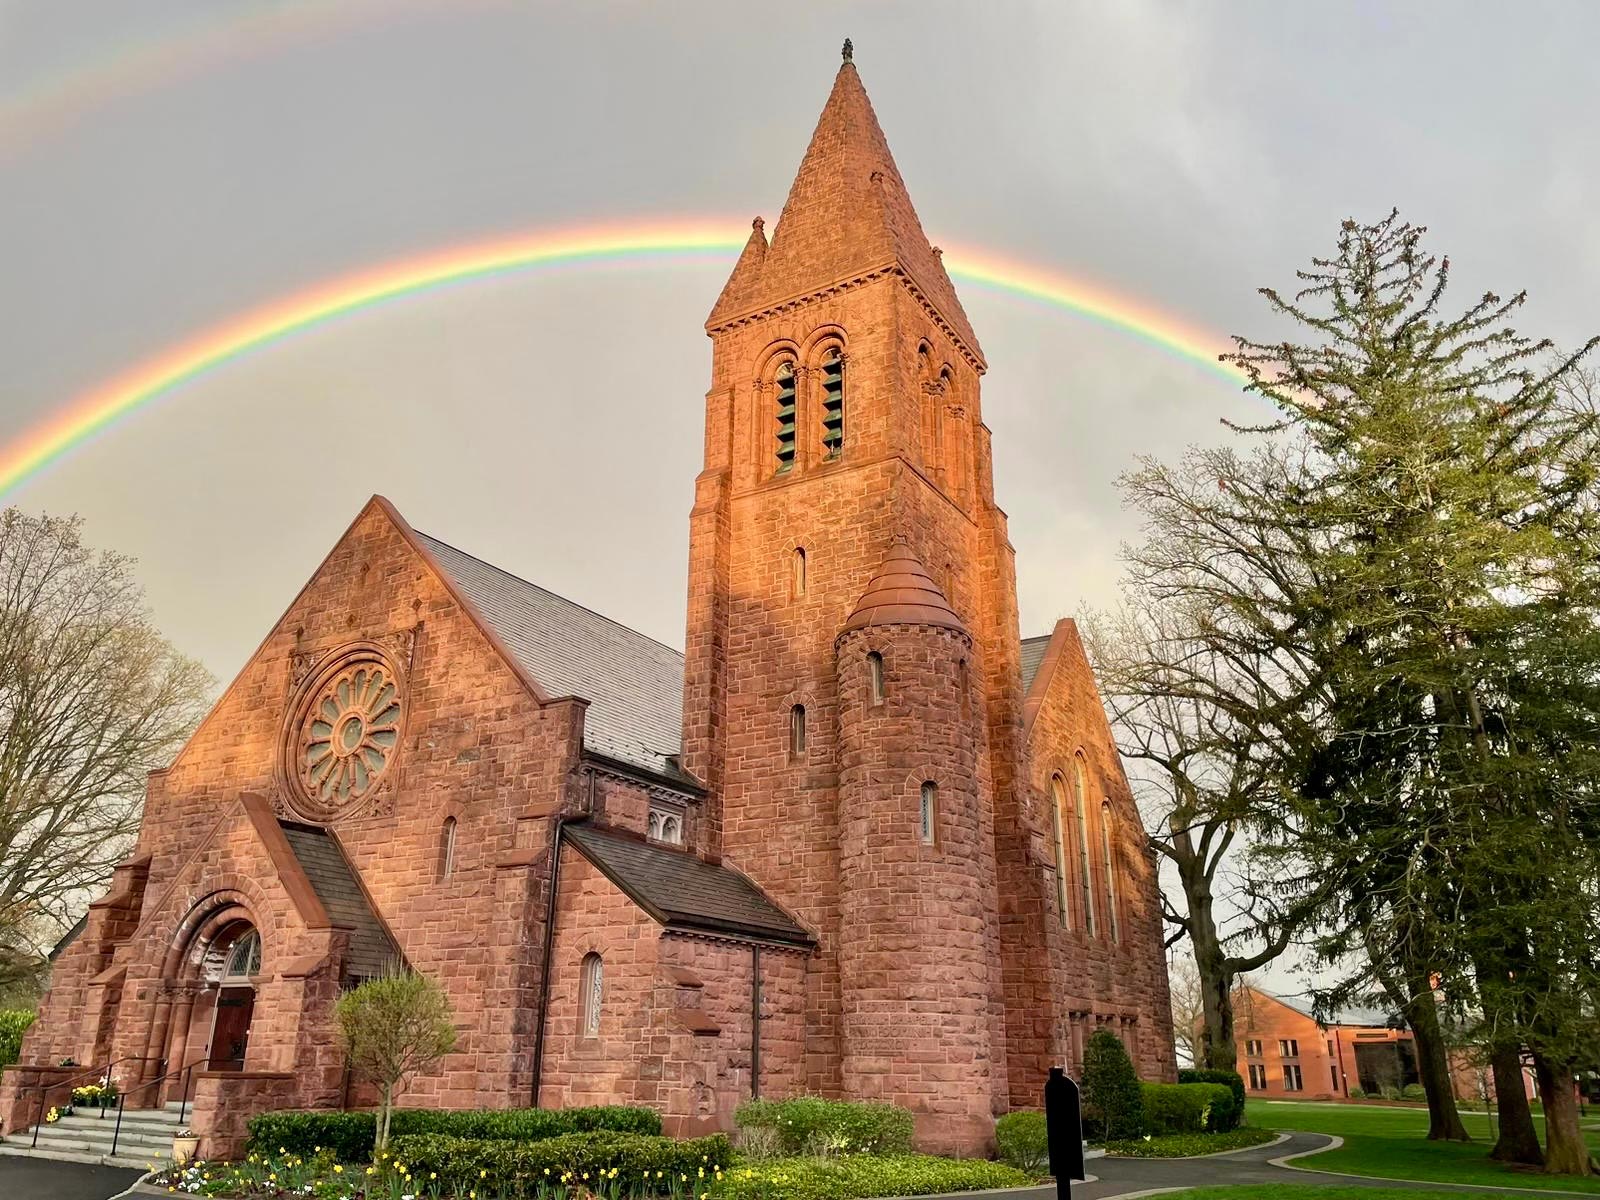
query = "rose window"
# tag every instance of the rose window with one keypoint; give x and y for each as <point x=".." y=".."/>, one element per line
<point x="348" y="734"/>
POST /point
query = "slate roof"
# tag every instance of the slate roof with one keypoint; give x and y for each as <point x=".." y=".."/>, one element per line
<point x="680" y="890"/>
<point x="334" y="880"/>
<point x="633" y="683"/>
<point x="1033" y="658"/>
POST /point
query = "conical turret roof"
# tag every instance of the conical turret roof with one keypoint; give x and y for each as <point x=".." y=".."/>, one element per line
<point x="848" y="213"/>
<point x="902" y="592"/>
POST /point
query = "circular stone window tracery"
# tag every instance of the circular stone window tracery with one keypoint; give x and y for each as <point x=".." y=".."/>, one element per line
<point x="344" y="734"/>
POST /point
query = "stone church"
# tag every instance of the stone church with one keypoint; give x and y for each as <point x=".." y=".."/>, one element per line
<point x="860" y="839"/>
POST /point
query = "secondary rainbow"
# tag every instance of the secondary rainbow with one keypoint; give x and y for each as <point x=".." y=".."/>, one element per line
<point x="701" y="241"/>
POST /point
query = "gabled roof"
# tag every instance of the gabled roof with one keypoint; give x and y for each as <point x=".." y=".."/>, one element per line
<point x="684" y="892"/>
<point x="1351" y="1015"/>
<point x="848" y="213"/>
<point x="372" y="950"/>
<point x="633" y="683"/>
<point x="1032" y="658"/>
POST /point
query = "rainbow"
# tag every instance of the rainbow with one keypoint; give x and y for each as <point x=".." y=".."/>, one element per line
<point x="660" y="242"/>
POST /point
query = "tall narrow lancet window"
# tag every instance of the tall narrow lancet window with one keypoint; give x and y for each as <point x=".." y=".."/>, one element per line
<point x="875" y="677"/>
<point x="593" y="984"/>
<point x="832" y="403"/>
<point x="1058" y="805"/>
<point x="929" y="812"/>
<point x="786" y="415"/>
<point x="799" y="571"/>
<point x="1111" y="874"/>
<point x="447" y="849"/>
<point x="1085" y="888"/>
<point x="797" y="731"/>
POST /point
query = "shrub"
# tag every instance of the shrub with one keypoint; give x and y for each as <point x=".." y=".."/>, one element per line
<point x="14" y="1023"/>
<point x="1390" y="1092"/>
<point x="1413" y="1091"/>
<point x="867" y="1175"/>
<point x="351" y="1135"/>
<point x="812" y="1126"/>
<point x="1185" y="1107"/>
<point x="392" y="1028"/>
<point x="500" y="1165"/>
<point x="1023" y="1142"/>
<point x="1186" y="1145"/>
<point x="1357" y="1094"/>
<point x="1113" y="1108"/>
<point x="1234" y="1082"/>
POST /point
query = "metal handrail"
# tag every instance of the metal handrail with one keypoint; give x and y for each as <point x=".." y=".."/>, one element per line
<point x="186" y="1072"/>
<point x="92" y="1073"/>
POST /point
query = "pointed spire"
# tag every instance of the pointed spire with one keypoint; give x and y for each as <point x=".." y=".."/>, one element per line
<point x="902" y="592"/>
<point x="848" y="212"/>
<point x="737" y="293"/>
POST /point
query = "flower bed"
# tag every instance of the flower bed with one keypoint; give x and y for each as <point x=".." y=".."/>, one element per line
<point x="1189" y="1145"/>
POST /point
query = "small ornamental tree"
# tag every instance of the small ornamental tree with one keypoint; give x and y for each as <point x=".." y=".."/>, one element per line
<point x="394" y="1027"/>
<point x="1113" y="1106"/>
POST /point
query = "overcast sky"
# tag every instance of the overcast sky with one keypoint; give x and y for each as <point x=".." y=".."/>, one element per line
<point x="163" y="168"/>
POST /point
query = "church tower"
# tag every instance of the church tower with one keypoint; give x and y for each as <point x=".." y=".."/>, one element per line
<point x="852" y="697"/>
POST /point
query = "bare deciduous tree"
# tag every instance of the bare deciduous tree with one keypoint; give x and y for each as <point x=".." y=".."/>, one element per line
<point x="92" y="698"/>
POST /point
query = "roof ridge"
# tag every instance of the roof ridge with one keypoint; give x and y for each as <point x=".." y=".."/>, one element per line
<point x="557" y="595"/>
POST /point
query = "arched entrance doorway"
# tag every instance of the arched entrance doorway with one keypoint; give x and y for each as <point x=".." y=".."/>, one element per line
<point x="231" y="963"/>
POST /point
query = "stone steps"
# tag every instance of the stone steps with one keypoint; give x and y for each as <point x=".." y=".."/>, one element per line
<point x="145" y="1137"/>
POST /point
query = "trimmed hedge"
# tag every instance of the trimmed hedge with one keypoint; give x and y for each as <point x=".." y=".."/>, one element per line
<point x="1185" y="1107"/>
<point x="867" y="1175"/>
<point x="1023" y="1142"/>
<point x="809" y="1125"/>
<point x="14" y="1023"/>
<point x="1233" y="1081"/>
<point x="350" y="1135"/>
<point x="1413" y="1091"/>
<point x="642" y="1163"/>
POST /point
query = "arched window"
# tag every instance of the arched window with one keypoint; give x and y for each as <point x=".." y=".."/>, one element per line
<point x="1058" y="804"/>
<point x="797" y="731"/>
<point x="963" y="685"/>
<point x="832" y="403"/>
<point x="447" y="849"/>
<point x="244" y="960"/>
<point x="1085" y="889"/>
<point x="786" y="415"/>
<point x="799" y="571"/>
<point x="875" y="677"/>
<point x="664" y="826"/>
<point x="593" y="983"/>
<point x="1111" y="875"/>
<point x="929" y="812"/>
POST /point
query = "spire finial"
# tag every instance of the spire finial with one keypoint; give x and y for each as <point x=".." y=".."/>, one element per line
<point x="758" y="225"/>
<point x="849" y="51"/>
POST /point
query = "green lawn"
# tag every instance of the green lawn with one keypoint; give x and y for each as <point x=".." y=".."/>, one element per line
<point x="1390" y="1143"/>
<point x="1275" y="1192"/>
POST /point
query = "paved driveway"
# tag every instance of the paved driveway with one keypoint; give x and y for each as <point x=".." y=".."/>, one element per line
<point x="41" y="1179"/>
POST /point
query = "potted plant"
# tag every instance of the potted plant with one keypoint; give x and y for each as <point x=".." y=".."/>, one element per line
<point x="184" y="1143"/>
<point x="102" y="1095"/>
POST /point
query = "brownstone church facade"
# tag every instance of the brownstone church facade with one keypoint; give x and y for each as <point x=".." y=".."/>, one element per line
<point x="861" y="839"/>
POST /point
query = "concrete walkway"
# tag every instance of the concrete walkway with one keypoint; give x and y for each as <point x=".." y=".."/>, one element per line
<point x="43" y="1179"/>
<point x="1126" y="1177"/>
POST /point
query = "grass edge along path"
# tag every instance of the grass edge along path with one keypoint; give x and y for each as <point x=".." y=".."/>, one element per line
<point x="1391" y="1144"/>
<point x="1295" y="1191"/>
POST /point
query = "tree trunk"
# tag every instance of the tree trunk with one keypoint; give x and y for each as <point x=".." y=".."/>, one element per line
<point x="383" y="1117"/>
<point x="1565" y="1152"/>
<point x="1519" y="1140"/>
<point x="1433" y="1063"/>
<point x="1218" y="1051"/>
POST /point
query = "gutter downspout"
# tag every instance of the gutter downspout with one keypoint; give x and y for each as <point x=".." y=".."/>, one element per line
<point x="556" y="839"/>
<point x="755" y="1022"/>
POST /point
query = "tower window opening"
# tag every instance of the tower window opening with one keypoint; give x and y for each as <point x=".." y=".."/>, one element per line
<point x="875" y="677"/>
<point x="799" y="571"/>
<point x="929" y="812"/>
<point x="1111" y="875"/>
<point x="1058" y="804"/>
<point x="1085" y="891"/>
<point x="447" y="849"/>
<point x="963" y="686"/>
<point x="797" y="731"/>
<point x="786" y="416"/>
<point x="833" y="403"/>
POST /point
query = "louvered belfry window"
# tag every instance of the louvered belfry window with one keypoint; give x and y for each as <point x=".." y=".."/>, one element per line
<point x="832" y="403"/>
<point x="786" y="422"/>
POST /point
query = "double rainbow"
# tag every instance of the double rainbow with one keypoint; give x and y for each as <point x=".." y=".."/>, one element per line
<point x="661" y="243"/>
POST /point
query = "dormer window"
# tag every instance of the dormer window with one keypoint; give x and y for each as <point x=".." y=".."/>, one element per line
<point x="665" y="825"/>
<point x="785" y="381"/>
<point x="832" y="403"/>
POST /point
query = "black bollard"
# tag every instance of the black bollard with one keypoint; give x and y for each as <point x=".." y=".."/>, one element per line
<point x="1063" y="1125"/>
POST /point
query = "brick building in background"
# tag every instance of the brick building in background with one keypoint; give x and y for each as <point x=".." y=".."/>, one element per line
<point x="861" y="839"/>
<point x="1285" y="1053"/>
